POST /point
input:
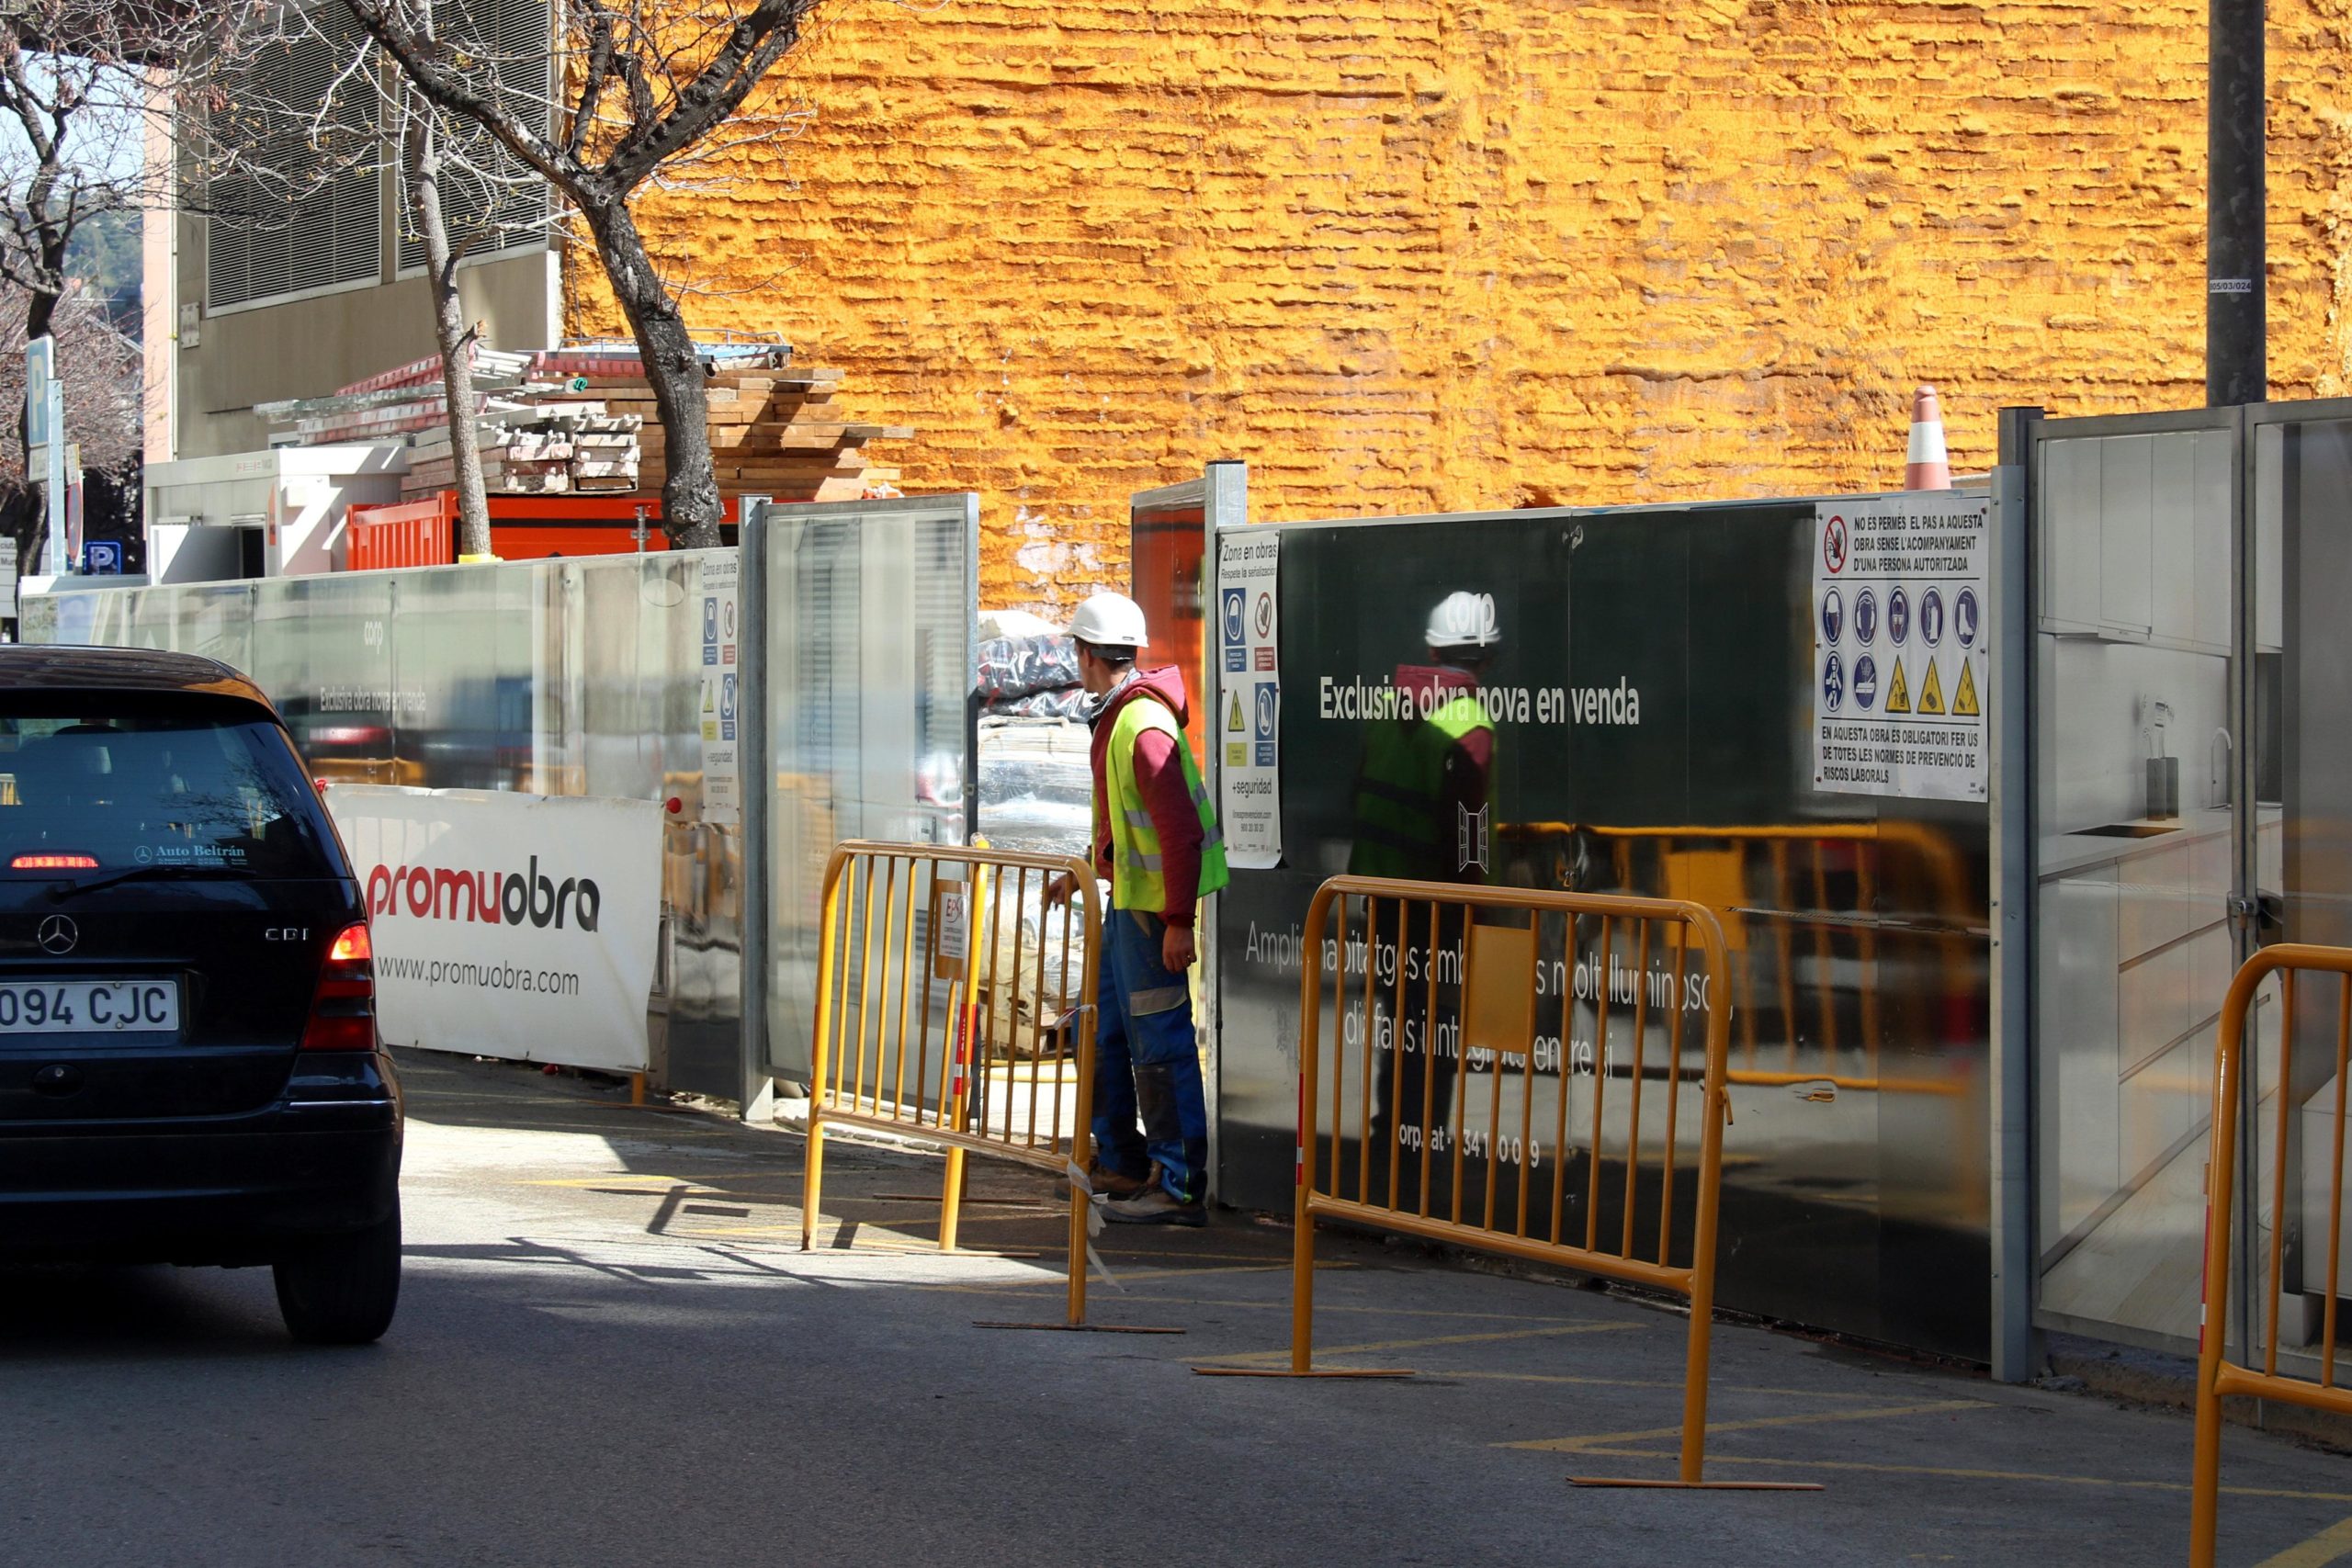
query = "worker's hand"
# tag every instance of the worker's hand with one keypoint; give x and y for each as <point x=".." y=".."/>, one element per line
<point x="1176" y="949"/>
<point x="1060" y="890"/>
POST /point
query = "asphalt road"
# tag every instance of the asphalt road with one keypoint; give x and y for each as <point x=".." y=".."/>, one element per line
<point x="611" y="1351"/>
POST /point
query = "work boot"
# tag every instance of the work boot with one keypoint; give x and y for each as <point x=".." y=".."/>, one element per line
<point x="1155" y="1206"/>
<point x="1109" y="1186"/>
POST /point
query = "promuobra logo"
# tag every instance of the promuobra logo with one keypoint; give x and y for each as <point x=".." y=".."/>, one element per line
<point x="435" y="893"/>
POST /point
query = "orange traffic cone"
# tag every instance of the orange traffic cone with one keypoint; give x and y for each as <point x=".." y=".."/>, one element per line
<point x="1929" y="468"/>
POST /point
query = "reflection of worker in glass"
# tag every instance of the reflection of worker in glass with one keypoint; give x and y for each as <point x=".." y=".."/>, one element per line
<point x="1423" y="805"/>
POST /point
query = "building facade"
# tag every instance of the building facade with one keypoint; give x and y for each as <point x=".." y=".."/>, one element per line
<point x="1437" y="254"/>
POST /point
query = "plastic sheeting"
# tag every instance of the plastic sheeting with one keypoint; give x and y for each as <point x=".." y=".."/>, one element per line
<point x="1036" y="793"/>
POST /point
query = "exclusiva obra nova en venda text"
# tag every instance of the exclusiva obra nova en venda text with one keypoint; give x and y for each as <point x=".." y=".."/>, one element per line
<point x="1358" y="700"/>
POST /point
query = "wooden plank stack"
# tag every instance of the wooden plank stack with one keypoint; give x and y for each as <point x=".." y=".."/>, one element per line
<point x="774" y="430"/>
<point x="581" y="418"/>
<point x="579" y="448"/>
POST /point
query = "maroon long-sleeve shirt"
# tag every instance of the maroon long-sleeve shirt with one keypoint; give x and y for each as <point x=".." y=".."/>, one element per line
<point x="1159" y="774"/>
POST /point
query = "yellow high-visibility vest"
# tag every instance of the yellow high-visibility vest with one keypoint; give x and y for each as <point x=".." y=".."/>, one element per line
<point x="1137" y="881"/>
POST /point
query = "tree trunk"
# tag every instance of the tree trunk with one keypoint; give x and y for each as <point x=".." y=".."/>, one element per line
<point x="690" y="504"/>
<point x="422" y="149"/>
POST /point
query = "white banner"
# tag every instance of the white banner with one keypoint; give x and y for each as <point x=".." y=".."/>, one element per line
<point x="1247" y="727"/>
<point x="520" y="926"/>
<point x="1902" y="666"/>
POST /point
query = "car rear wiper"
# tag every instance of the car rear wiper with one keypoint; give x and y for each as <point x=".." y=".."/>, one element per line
<point x="60" y="892"/>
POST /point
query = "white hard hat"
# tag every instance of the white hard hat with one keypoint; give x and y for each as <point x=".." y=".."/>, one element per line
<point x="1110" y="620"/>
<point x="1465" y="620"/>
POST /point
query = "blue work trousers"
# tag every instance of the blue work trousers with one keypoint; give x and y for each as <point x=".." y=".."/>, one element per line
<point x="1146" y="1063"/>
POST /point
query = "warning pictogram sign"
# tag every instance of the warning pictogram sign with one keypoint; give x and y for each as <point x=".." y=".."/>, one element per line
<point x="1249" y="809"/>
<point x="1902" y="673"/>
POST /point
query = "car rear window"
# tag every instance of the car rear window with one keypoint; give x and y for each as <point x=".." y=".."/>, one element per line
<point x="199" y="785"/>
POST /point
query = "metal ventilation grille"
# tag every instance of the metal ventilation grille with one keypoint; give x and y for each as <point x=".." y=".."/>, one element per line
<point x="492" y="200"/>
<point x="304" y="210"/>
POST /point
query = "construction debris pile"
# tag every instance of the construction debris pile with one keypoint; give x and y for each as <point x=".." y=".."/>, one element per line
<point x="581" y="418"/>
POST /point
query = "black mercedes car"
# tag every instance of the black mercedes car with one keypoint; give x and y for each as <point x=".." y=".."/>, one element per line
<point x="190" y="1070"/>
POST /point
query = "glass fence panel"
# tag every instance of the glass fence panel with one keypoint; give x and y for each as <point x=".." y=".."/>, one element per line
<point x="871" y="647"/>
<point x="2139" y="833"/>
<point x="583" y="677"/>
<point x="322" y="648"/>
<point x="2301" y="775"/>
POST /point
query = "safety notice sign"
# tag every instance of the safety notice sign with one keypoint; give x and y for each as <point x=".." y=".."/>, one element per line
<point x="1902" y="664"/>
<point x="721" y="672"/>
<point x="1247" y="737"/>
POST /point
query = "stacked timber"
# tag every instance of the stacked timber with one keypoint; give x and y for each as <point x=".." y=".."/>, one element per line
<point x="774" y="430"/>
<point x="581" y="418"/>
<point x="579" y="448"/>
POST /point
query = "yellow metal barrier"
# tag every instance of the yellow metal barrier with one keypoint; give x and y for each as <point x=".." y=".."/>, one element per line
<point x="1402" y="1051"/>
<point x="954" y="1005"/>
<point x="2217" y="1377"/>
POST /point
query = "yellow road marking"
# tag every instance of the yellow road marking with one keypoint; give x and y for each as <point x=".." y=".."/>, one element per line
<point x="1601" y="1439"/>
<point x="1954" y="1473"/>
<point x="1622" y="1383"/>
<point x="1382" y="1346"/>
<point x="2328" y="1546"/>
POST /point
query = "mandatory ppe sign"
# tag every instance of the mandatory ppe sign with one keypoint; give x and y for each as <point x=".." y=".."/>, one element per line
<point x="1902" y="664"/>
<point x="1247" y="739"/>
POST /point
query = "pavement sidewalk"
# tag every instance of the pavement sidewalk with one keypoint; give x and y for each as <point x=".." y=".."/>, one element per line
<point x="1521" y="1380"/>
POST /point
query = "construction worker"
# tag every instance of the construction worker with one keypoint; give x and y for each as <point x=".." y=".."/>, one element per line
<point x="1156" y="838"/>
<point x="1424" y="811"/>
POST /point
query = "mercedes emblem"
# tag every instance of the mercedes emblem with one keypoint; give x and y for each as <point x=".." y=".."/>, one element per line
<point x="58" y="935"/>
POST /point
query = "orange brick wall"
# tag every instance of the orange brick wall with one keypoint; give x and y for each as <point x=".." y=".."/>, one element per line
<point x="1433" y="254"/>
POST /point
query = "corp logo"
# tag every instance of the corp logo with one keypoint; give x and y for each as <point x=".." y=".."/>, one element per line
<point x="489" y="897"/>
<point x="57" y="934"/>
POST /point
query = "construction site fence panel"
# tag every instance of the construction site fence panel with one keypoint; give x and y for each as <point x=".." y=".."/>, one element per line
<point x="2268" y="1250"/>
<point x="591" y="676"/>
<point x="1647" y="723"/>
<point x="1531" y="1073"/>
<point x="954" y="1005"/>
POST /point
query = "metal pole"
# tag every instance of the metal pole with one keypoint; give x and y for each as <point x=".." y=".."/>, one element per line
<point x="755" y="770"/>
<point x="1226" y="494"/>
<point x="2015" y="1352"/>
<point x="2235" y="368"/>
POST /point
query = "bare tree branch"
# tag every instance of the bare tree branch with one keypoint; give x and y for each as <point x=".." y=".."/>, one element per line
<point x="685" y="70"/>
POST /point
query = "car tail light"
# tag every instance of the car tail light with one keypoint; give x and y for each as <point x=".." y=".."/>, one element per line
<point x="343" y="1010"/>
<point x="54" y="862"/>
